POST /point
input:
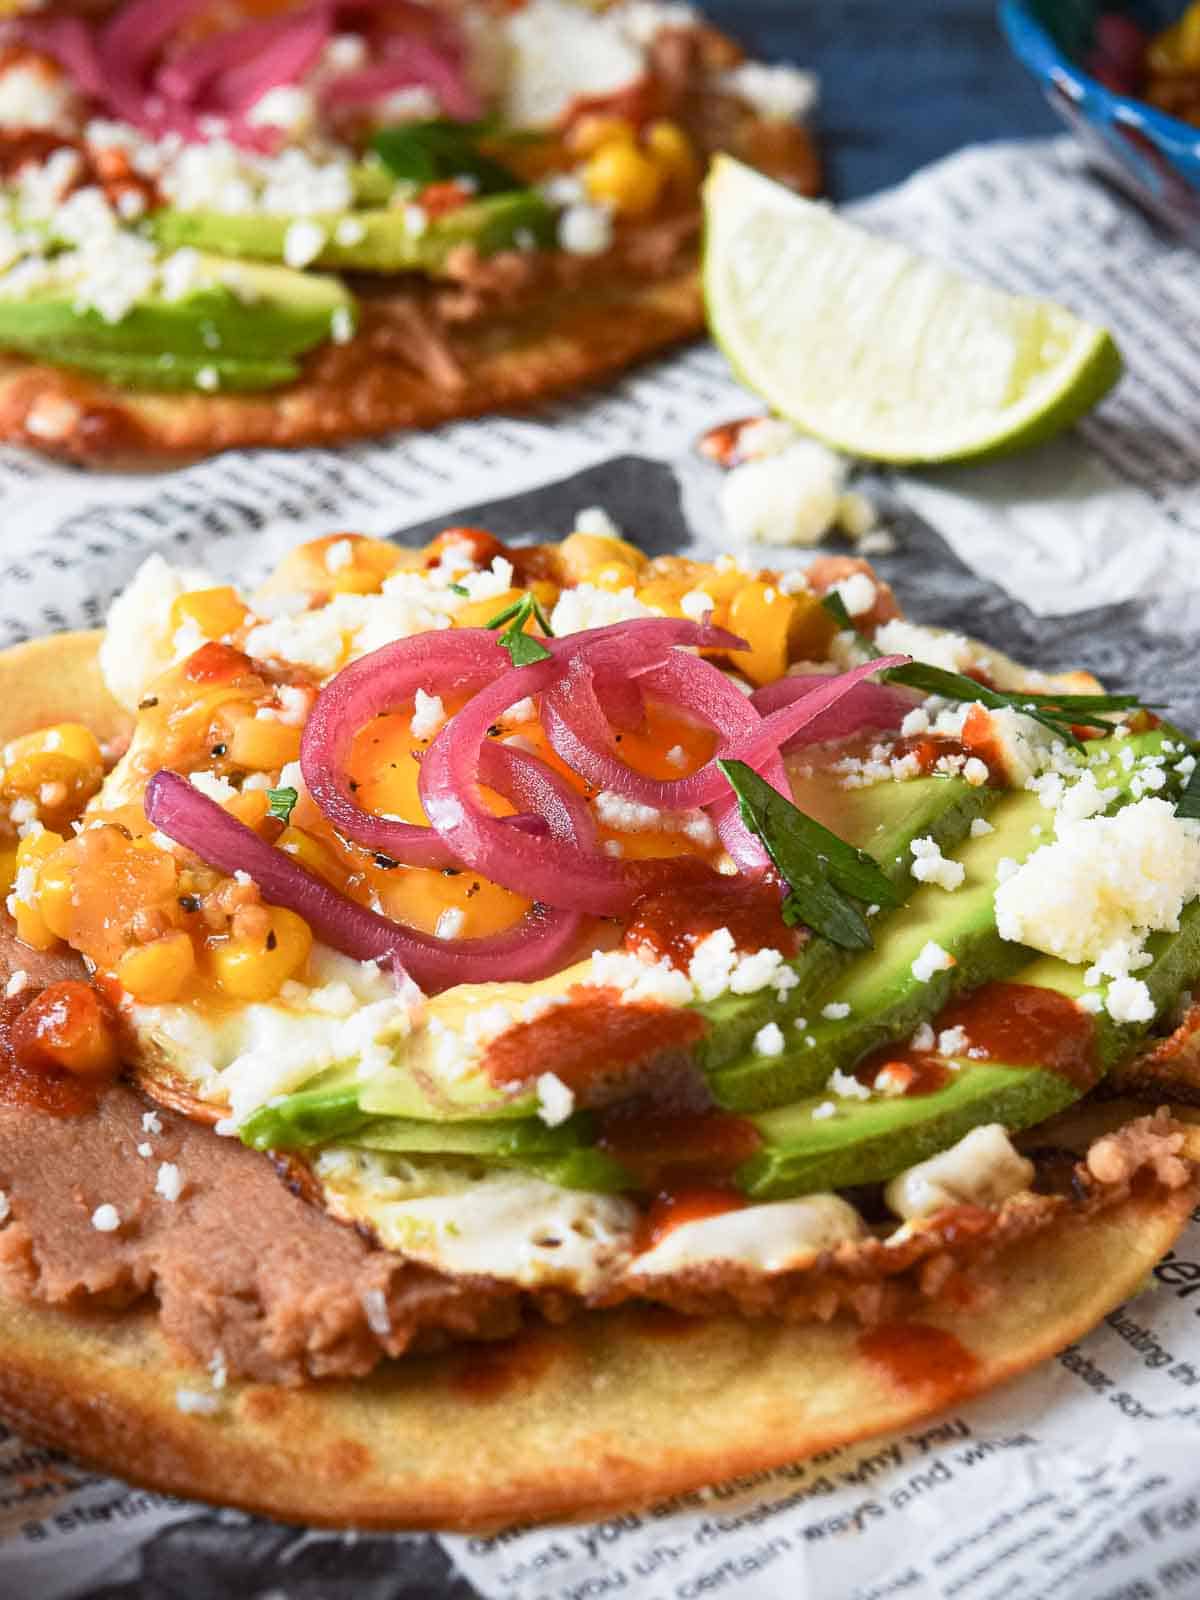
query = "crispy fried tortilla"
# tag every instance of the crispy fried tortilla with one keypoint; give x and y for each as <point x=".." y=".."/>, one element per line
<point x="558" y="1418"/>
<point x="384" y="379"/>
<point x="498" y="333"/>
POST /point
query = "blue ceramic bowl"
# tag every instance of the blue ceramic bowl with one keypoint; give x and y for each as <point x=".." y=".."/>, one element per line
<point x="1156" y="158"/>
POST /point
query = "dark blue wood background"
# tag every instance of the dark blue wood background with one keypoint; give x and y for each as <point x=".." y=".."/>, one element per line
<point x="903" y="81"/>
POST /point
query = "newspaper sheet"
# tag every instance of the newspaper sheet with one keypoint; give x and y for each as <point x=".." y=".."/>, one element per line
<point x="1081" y="1481"/>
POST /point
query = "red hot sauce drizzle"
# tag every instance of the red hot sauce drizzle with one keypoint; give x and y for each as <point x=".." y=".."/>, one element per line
<point x="672" y="923"/>
<point x="916" y="1355"/>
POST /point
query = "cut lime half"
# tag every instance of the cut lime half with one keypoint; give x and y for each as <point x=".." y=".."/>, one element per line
<point x="880" y="352"/>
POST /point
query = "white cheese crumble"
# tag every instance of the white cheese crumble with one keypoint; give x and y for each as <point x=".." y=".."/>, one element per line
<point x="138" y="643"/>
<point x="846" y="1086"/>
<point x="586" y="606"/>
<point x="777" y="92"/>
<point x="169" y="1182"/>
<point x="556" y="1102"/>
<point x="982" y="1169"/>
<point x="1128" y="1000"/>
<point x="5" y="1207"/>
<point x="151" y="1122"/>
<point x="929" y="865"/>
<point x="1104" y="882"/>
<point x="585" y="230"/>
<point x="789" y="498"/>
<point x="676" y="757"/>
<point x="981" y="826"/>
<point x="451" y="922"/>
<point x="429" y="715"/>
<point x="858" y="593"/>
<point x="952" y="1041"/>
<point x="558" y="53"/>
<point x="952" y="651"/>
<point x="923" y="1039"/>
<point x="931" y="959"/>
<point x="17" y="984"/>
<point x="768" y="1041"/>
<point x="106" y="1219"/>
<point x="194" y="1402"/>
<point x="835" y="1011"/>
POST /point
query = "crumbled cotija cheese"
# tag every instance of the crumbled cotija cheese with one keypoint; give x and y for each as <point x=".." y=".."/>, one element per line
<point x="931" y="866"/>
<point x="931" y="959"/>
<point x="768" y="1041"/>
<point x="1104" y="881"/>
<point x="556" y="1102"/>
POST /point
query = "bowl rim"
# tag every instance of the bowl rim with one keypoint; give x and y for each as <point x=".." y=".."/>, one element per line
<point x="1032" y="44"/>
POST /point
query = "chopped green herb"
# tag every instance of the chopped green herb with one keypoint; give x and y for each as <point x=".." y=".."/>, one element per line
<point x="522" y="647"/>
<point x="460" y="588"/>
<point x="438" y="151"/>
<point x="836" y="608"/>
<point x="824" y="874"/>
<point x="281" y="803"/>
<point x="1188" y="804"/>
<point x="1060" y="713"/>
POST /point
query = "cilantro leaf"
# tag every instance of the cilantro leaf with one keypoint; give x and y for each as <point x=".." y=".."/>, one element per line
<point x="1060" y="713"/>
<point x="1188" y="804"/>
<point x="439" y="150"/>
<point x="281" y="803"/>
<point x="523" y="648"/>
<point x="824" y="874"/>
<point x="460" y="588"/>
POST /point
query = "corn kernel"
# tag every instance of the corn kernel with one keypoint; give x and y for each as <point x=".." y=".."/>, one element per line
<point x="1189" y="37"/>
<point x="256" y="969"/>
<point x="8" y="868"/>
<point x="310" y="853"/>
<point x="263" y="744"/>
<point x="580" y="552"/>
<point x="478" y="613"/>
<point x="55" y="887"/>
<point x="593" y="132"/>
<point x="32" y="928"/>
<point x="663" y="596"/>
<point x="811" y="629"/>
<point x="251" y="807"/>
<point x="619" y="175"/>
<point x="215" y="612"/>
<point x="763" y="617"/>
<point x="669" y="147"/>
<point x="155" y="974"/>
<point x="371" y="561"/>
<point x="611" y="575"/>
<point x="67" y="754"/>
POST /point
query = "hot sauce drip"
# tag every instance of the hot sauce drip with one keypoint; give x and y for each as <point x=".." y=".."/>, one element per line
<point x="598" y="1047"/>
<point x="668" y="1151"/>
<point x="57" y="1051"/>
<point x="1018" y="1025"/>
<point x="673" y="922"/>
<point x="912" y="1072"/>
<point x="915" y="1355"/>
<point x="669" y="1211"/>
<point x="217" y="663"/>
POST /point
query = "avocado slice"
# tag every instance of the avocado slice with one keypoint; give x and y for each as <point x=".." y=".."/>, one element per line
<point x="561" y="1155"/>
<point x="243" y="325"/>
<point x="883" y="819"/>
<point x="885" y="1000"/>
<point x="368" y="241"/>
<point x="869" y="1141"/>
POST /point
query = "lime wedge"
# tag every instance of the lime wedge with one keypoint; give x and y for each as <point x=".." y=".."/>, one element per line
<point x="880" y="352"/>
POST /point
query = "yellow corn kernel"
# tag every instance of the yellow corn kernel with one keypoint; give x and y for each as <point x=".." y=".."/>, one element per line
<point x="763" y="617"/>
<point x="593" y="132"/>
<point x="215" y="612"/>
<point x="478" y="613"/>
<point x="156" y="973"/>
<point x="1164" y="53"/>
<point x="66" y="754"/>
<point x="32" y="928"/>
<point x="544" y="592"/>
<point x="619" y="175"/>
<point x="1189" y="37"/>
<point x="263" y="744"/>
<point x="663" y="596"/>
<point x="250" y="807"/>
<point x="580" y="552"/>
<point x="55" y="887"/>
<point x="310" y="853"/>
<point x="256" y="969"/>
<point x="669" y="147"/>
<point x="611" y="575"/>
<point x="371" y="561"/>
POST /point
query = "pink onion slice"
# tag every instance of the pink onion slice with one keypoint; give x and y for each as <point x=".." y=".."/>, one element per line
<point x="449" y="661"/>
<point x="534" y="947"/>
<point x="418" y="66"/>
<point x="575" y="725"/>
<point x="867" y="705"/>
<point x="71" y="43"/>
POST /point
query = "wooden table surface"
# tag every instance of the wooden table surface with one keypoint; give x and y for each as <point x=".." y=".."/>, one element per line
<point x="903" y="81"/>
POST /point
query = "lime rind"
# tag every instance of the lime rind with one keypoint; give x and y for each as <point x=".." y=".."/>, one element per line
<point x="877" y="351"/>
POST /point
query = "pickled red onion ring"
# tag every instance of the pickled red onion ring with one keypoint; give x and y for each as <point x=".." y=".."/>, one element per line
<point x="867" y="705"/>
<point x="531" y="949"/>
<point x="449" y="661"/>
<point x="580" y="735"/>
